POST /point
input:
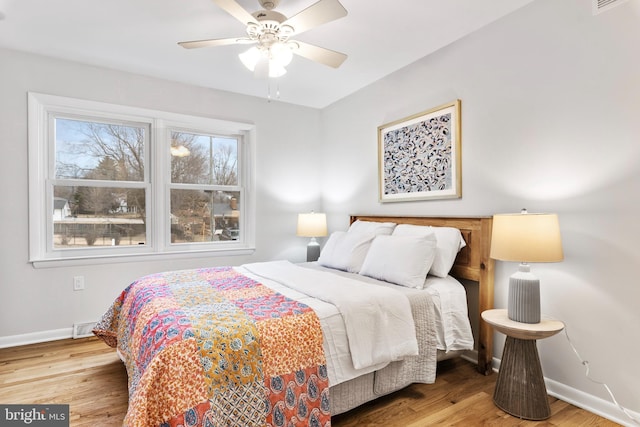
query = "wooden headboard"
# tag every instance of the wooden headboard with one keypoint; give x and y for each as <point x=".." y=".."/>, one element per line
<point x="473" y="263"/>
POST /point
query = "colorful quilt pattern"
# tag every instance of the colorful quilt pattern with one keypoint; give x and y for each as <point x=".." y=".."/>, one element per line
<point x="212" y="347"/>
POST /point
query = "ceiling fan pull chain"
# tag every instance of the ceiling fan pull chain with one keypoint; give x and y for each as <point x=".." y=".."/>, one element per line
<point x="269" y="90"/>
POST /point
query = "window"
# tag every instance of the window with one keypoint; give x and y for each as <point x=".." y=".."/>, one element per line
<point x="108" y="181"/>
<point x="204" y="191"/>
<point x="99" y="182"/>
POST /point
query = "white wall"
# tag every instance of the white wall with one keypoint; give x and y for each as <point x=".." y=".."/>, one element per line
<point x="550" y="122"/>
<point x="40" y="303"/>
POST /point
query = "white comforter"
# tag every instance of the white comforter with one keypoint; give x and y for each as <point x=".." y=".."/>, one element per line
<point x="377" y="320"/>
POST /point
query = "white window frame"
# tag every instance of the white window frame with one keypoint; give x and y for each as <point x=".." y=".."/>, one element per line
<point x="44" y="108"/>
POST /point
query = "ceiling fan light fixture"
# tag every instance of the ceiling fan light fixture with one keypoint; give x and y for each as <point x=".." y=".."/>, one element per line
<point x="180" y="151"/>
<point x="267" y="62"/>
<point x="250" y="58"/>
<point x="276" y="70"/>
<point x="266" y="68"/>
<point x="280" y="53"/>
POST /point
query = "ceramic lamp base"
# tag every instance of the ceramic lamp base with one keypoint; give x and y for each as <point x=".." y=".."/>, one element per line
<point x="524" y="296"/>
<point x="313" y="250"/>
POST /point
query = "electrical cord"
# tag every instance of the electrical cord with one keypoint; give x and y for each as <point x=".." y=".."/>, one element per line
<point x="585" y="363"/>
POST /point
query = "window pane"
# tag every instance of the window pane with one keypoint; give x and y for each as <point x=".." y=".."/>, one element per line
<point x="194" y="211"/>
<point x="98" y="216"/>
<point x="203" y="159"/>
<point x="93" y="150"/>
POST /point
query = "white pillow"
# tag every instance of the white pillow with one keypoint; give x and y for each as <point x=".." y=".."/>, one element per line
<point x="372" y="227"/>
<point x="403" y="260"/>
<point x="449" y="240"/>
<point x="345" y="251"/>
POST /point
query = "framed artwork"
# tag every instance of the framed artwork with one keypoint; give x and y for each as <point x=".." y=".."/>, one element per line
<point x="419" y="156"/>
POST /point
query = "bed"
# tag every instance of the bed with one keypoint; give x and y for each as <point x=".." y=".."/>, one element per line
<point x="473" y="264"/>
<point x="291" y="344"/>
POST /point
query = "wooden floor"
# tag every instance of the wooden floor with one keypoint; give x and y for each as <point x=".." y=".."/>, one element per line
<point x="87" y="375"/>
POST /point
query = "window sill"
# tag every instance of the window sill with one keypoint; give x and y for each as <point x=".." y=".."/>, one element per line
<point x="142" y="257"/>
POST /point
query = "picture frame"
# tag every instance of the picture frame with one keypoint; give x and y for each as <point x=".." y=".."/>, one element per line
<point x="419" y="157"/>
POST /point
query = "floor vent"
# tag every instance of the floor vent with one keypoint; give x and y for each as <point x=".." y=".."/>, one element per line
<point x="600" y="6"/>
<point x="82" y="330"/>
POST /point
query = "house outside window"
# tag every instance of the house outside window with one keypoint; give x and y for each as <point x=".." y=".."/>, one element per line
<point x="111" y="181"/>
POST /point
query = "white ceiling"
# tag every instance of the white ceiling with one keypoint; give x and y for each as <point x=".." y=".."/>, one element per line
<point x="140" y="36"/>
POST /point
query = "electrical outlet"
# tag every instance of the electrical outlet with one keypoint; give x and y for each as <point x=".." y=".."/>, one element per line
<point x="78" y="283"/>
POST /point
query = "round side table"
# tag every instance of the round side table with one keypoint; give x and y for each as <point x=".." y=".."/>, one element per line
<point x="520" y="389"/>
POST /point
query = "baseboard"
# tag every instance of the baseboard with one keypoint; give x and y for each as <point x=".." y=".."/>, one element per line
<point x="470" y="355"/>
<point x="588" y="402"/>
<point x="35" y="337"/>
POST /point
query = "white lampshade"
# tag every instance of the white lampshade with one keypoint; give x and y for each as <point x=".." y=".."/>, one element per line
<point x="526" y="237"/>
<point x="312" y="225"/>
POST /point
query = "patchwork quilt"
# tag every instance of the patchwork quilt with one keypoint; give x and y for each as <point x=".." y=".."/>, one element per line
<point x="212" y="347"/>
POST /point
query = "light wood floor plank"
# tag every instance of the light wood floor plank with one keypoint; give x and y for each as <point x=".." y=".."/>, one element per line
<point x="87" y="375"/>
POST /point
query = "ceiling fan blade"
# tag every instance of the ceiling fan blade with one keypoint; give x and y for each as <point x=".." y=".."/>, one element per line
<point x="317" y="14"/>
<point x="319" y="54"/>
<point x="214" y="42"/>
<point x="234" y="9"/>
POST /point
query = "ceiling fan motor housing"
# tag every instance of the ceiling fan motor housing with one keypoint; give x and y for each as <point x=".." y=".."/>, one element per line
<point x="269" y="15"/>
<point x="269" y="29"/>
<point x="269" y="4"/>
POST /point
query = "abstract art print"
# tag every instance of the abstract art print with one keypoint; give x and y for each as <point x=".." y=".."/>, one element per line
<point x="419" y="156"/>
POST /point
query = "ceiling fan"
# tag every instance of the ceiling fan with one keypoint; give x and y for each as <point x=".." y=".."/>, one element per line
<point x="270" y="32"/>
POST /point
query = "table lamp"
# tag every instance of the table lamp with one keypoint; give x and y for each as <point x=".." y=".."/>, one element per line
<point x="525" y="238"/>
<point x="312" y="225"/>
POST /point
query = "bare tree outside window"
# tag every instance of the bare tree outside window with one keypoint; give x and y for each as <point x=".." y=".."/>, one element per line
<point x="209" y="212"/>
<point x="91" y="158"/>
